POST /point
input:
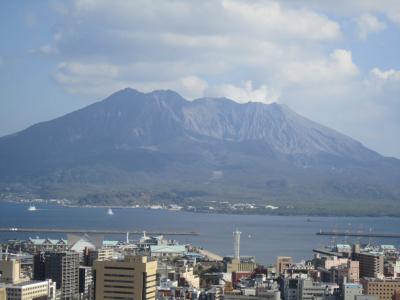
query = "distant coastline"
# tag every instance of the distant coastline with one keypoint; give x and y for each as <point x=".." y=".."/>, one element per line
<point x="201" y="210"/>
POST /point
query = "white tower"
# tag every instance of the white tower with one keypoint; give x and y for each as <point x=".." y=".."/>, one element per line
<point x="236" y="244"/>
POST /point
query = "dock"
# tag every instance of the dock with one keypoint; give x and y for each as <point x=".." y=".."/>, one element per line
<point x="327" y="252"/>
<point x="359" y="234"/>
<point x="95" y="231"/>
<point x="210" y="255"/>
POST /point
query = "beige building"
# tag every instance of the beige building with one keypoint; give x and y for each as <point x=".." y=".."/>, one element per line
<point x="3" y="294"/>
<point x="334" y="261"/>
<point x="283" y="263"/>
<point x="10" y="271"/>
<point x="353" y="271"/>
<point x="246" y="264"/>
<point x="134" y="278"/>
<point x="31" y="290"/>
<point x="383" y="289"/>
<point x="188" y="274"/>
<point x="371" y="265"/>
<point x="91" y="255"/>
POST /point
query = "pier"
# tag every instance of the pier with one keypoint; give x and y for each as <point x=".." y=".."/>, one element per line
<point x="359" y="234"/>
<point x="94" y="231"/>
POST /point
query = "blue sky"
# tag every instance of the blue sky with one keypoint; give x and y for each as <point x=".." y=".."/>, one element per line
<point x="335" y="62"/>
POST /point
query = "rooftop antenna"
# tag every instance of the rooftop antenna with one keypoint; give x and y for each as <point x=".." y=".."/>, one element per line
<point x="369" y="238"/>
<point x="236" y="244"/>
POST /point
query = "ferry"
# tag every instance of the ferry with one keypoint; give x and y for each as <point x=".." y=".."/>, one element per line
<point x="32" y="208"/>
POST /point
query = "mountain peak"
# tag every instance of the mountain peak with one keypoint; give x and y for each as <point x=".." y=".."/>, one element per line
<point x="160" y="139"/>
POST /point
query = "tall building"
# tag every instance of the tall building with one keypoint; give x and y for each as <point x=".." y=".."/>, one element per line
<point x="85" y="282"/>
<point x="236" y="244"/>
<point x="91" y="255"/>
<point x="371" y="264"/>
<point x="3" y="293"/>
<point x="62" y="268"/>
<point x="134" y="278"/>
<point x="10" y="271"/>
<point x="283" y="263"/>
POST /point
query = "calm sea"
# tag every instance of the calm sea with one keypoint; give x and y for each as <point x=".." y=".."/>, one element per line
<point x="265" y="237"/>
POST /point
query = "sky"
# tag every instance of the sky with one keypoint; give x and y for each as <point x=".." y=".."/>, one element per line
<point x="335" y="62"/>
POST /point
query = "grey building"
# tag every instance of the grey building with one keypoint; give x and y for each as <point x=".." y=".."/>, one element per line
<point x="351" y="290"/>
<point x="86" y="282"/>
<point x="62" y="268"/>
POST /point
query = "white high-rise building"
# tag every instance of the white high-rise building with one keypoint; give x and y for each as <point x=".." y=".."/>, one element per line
<point x="236" y="244"/>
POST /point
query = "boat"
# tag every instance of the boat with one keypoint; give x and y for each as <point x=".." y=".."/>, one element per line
<point x="32" y="208"/>
<point x="110" y="212"/>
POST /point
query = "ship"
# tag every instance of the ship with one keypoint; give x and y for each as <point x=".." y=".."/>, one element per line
<point x="110" y="212"/>
<point x="32" y="208"/>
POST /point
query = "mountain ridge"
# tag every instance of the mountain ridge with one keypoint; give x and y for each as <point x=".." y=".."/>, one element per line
<point x="159" y="142"/>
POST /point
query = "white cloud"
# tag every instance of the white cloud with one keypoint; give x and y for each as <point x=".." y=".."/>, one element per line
<point x="389" y="8"/>
<point x="193" y="86"/>
<point x="268" y="16"/>
<point x="385" y="85"/>
<point x="338" y="66"/>
<point x="245" y="92"/>
<point x="262" y="51"/>
<point x="389" y="75"/>
<point x="45" y="50"/>
<point x="368" y="23"/>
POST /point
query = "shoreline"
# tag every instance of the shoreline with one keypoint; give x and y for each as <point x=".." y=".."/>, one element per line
<point x="216" y="212"/>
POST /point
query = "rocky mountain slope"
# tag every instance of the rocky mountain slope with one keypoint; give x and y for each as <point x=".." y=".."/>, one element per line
<point x="152" y="147"/>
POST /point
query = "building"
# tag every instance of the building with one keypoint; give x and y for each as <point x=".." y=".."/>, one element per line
<point x="291" y="289"/>
<point x="134" y="278"/>
<point x="85" y="282"/>
<point x="167" y="250"/>
<point x="30" y="290"/>
<point x="245" y="264"/>
<point x="365" y="297"/>
<point x="348" y="272"/>
<point x="371" y="264"/>
<point x="283" y="263"/>
<point x="396" y="295"/>
<point x="37" y="244"/>
<point x="91" y="255"/>
<point x="214" y="293"/>
<point x="269" y="295"/>
<point x="310" y="289"/>
<point x="62" y="268"/>
<point x="307" y="289"/>
<point x="383" y="289"/>
<point x="3" y="293"/>
<point x="187" y="275"/>
<point x="10" y="271"/>
<point x="350" y="290"/>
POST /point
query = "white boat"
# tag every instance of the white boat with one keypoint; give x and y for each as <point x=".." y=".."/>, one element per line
<point x="32" y="208"/>
<point x="110" y="212"/>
